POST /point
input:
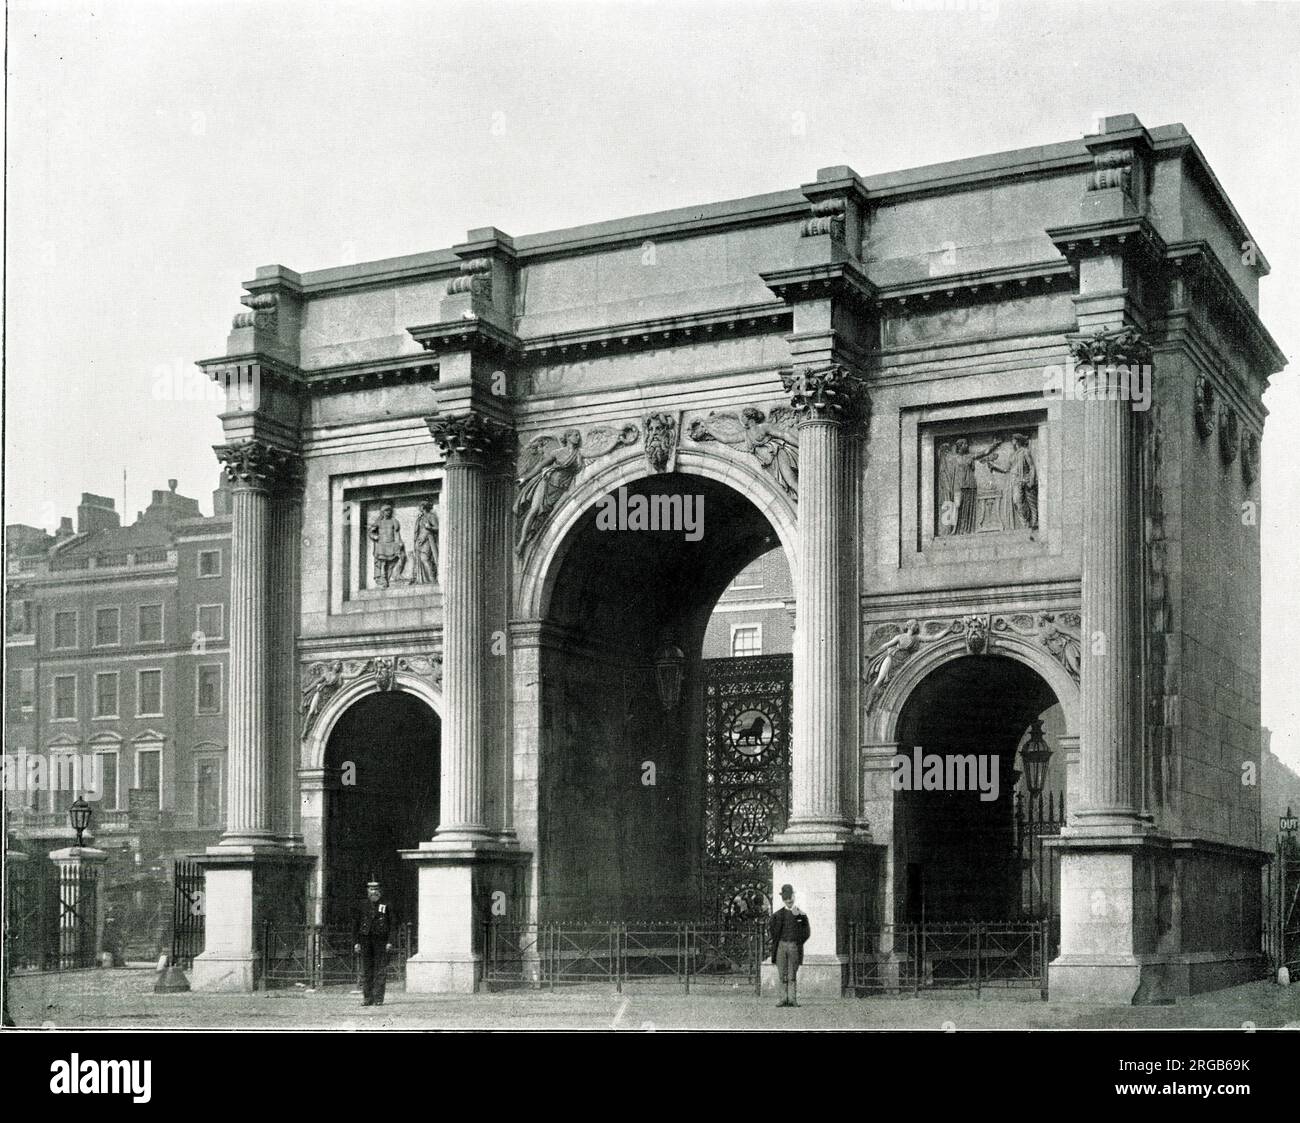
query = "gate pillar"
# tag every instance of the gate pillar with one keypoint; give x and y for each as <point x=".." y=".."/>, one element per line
<point x="80" y="867"/>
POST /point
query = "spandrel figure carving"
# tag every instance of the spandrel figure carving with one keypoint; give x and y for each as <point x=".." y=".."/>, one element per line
<point x="541" y="486"/>
<point x="770" y="438"/>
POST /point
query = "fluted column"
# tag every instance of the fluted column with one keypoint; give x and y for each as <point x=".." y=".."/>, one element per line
<point x="256" y="470"/>
<point x="470" y="442"/>
<point x="1111" y="760"/>
<point x="828" y="400"/>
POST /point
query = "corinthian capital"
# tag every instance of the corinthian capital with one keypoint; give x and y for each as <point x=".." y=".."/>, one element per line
<point x="255" y="464"/>
<point x="1120" y="347"/>
<point x="827" y="393"/>
<point x="469" y="435"/>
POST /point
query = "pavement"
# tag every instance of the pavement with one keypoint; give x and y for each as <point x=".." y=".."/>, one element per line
<point x="123" y="998"/>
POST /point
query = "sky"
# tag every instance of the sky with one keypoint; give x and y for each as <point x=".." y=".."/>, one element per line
<point x="157" y="153"/>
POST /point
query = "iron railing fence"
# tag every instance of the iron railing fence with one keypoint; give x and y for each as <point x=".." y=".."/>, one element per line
<point x="909" y="958"/>
<point x="318" y="955"/>
<point x="619" y="954"/>
<point x="187" y="912"/>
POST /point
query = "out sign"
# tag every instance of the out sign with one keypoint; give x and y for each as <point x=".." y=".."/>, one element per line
<point x="1288" y="823"/>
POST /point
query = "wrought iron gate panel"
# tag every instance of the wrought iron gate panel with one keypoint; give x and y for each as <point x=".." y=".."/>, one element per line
<point x="747" y="712"/>
<point x="187" y="912"/>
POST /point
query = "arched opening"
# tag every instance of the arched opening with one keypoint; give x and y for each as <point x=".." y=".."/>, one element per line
<point x="385" y="752"/>
<point x="624" y="783"/>
<point x="964" y="841"/>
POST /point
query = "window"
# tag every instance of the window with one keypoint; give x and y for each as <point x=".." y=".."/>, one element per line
<point x="211" y="621"/>
<point x="148" y="698"/>
<point x="150" y="623"/>
<point x="746" y="639"/>
<point x="65" y="629"/>
<point x="148" y="771"/>
<point x="18" y="618"/>
<point x="208" y="689"/>
<point x="65" y="697"/>
<point x="106" y="694"/>
<point x="106" y="773"/>
<point x="27" y="689"/>
<point x="108" y="627"/>
<point x="209" y="563"/>
<point x="207" y="798"/>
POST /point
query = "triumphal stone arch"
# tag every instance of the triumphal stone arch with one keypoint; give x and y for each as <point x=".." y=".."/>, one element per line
<point x="1001" y="419"/>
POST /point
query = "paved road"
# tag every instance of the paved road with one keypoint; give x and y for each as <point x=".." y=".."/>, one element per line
<point x="124" y="999"/>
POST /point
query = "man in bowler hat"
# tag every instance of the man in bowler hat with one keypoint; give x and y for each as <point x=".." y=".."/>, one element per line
<point x="372" y="933"/>
<point x="789" y="930"/>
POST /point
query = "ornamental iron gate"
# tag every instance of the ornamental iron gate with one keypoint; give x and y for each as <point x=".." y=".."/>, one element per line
<point x="747" y="710"/>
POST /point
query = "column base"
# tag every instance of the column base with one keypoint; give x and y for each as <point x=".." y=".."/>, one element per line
<point x="216" y="974"/>
<point x="443" y="974"/>
<point x="462" y="883"/>
<point x="244" y="889"/>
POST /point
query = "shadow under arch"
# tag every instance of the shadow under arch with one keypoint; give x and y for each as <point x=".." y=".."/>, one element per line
<point x="621" y="773"/>
<point x="957" y="853"/>
<point x="381" y="751"/>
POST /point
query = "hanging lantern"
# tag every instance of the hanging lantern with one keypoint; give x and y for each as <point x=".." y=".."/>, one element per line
<point x="669" y="662"/>
<point x="1034" y="755"/>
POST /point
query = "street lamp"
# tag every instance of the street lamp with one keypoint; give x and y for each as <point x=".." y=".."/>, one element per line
<point x="1034" y="755"/>
<point x="669" y="661"/>
<point x="79" y="813"/>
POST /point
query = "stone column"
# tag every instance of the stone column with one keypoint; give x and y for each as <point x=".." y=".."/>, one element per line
<point x="249" y="877"/>
<point x="1110" y="707"/>
<point x="827" y="399"/>
<point x="469" y="441"/>
<point x="466" y="861"/>
<point x="819" y="853"/>
<point x="1113" y="863"/>
<point x="257" y="470"/>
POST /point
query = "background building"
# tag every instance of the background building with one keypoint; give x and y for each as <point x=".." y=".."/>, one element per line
<point x="115" y="644"/>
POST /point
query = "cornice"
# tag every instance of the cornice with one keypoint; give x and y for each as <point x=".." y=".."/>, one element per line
<point x="1202" y="267"/>
<point x="663" y="331"/>
<point x="358" y="375"/>
<point x="822" y="280"/>
<point x="473" y="334"/>
<point x="955" y="287"/>
<point x="1112" y="235"/>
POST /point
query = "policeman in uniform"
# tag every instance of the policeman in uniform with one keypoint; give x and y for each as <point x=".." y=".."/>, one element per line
<point x="789" y="930"/>
<point x="372" y="933"/>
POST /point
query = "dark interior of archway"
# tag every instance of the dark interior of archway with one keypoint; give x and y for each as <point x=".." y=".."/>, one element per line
<point x="614" y="845"/>
<point x="388" y="745"/>
<point x="955" y="856"/>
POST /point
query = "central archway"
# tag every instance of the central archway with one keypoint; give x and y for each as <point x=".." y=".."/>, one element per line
<point x="621" y="775"/>
<point x="384" y="751"/>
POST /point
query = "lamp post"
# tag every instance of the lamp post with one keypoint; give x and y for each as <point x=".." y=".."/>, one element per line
<point x="1034" y="755"/>
<point x="79" y="813"/>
